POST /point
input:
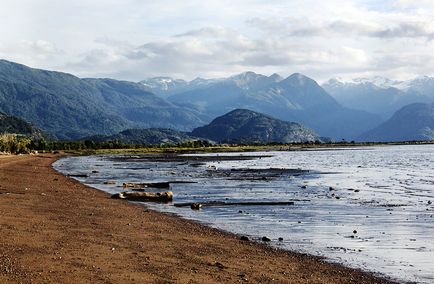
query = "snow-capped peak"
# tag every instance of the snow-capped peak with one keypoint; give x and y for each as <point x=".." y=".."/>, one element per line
<point x="375" y="81"/>
<point x="163" y="83"/>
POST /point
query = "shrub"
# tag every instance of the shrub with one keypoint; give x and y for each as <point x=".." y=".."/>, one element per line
<point x="12" y="143"/>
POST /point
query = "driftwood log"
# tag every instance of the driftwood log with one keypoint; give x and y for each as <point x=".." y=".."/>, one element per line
<point x="222" y="203"/>
<point x="146" y="184"/>
<point x="165" y="196"/>
<point x="165" y="184"/>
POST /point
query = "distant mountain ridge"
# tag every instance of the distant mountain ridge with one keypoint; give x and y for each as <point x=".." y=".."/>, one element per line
<point x="295" y="98"/>
<point x="380" y="95"/>
<point x="246" y="126"/>
<point x="169" y="86"/>
<point x="414" y="122"/>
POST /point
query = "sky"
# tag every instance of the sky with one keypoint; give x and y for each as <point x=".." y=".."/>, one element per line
<point x="137" y="39"/>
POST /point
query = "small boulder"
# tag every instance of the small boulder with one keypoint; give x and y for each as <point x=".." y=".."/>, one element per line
<point x="266" y="239"/>
<point x="244" y="238"/>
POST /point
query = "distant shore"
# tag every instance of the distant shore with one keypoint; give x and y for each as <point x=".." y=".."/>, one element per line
<point x="56" y="230"/>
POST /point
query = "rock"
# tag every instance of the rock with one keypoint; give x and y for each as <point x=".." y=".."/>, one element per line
<point x="266" y="239"/>
<point x="303" y="187"/>
<point x="429" y="202"/>
<point x="355" y="232"/>
<point x="280" y="239"/>
<point x="331" y="188"/>
<point x="195" y="206"/>
<point x="244" y="238"/>
<point x="109" y="182"/>
<point x="218" y="264"/>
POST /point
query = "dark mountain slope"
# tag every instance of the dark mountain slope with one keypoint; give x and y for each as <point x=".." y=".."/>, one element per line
<point x="150" y="136"/>
<point x="15" y="125"/>
<point x="414" y="122"/>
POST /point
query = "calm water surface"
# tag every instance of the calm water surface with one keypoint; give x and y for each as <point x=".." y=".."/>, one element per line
<point x="377" y="217"/>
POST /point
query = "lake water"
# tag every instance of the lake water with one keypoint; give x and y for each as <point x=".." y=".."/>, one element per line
<point x="370" y="208"/>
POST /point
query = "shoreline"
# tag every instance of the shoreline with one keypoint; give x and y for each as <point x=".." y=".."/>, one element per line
<point x="57" y="230"/>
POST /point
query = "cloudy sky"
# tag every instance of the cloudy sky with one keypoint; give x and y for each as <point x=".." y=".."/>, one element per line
<point x="136" y="39"/>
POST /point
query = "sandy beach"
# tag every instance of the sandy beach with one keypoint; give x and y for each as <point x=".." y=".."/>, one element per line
<point x="56" y="230"/>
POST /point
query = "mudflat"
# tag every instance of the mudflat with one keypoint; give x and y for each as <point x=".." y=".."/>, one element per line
<point x="55" y="230"/>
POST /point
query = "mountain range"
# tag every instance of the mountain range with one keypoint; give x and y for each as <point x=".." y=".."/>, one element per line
<point x="295" y="98"/>
<point x="380" y="95"/>
<point x="67" y="107"/>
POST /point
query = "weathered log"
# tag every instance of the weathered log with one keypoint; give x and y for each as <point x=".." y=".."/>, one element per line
<point x="165" y="196"/>
<point x="222" y="203"/>
<point x="146" y="184"/>
<point x="79" y="175"/>
<point x="165" y="184"/>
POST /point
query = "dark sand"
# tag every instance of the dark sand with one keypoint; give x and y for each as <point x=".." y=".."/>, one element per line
<point x="56" y="230"/>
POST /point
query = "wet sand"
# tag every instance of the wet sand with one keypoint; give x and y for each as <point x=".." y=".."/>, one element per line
<point x="56" y="230"/>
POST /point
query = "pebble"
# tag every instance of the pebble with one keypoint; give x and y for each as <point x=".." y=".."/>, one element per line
<point x="196" y="206"/>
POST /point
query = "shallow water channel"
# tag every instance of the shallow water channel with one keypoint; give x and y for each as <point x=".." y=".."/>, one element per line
<point x="370" y="208"/>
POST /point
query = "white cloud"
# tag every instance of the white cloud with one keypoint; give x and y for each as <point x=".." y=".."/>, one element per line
<point x="134" y="39"/>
